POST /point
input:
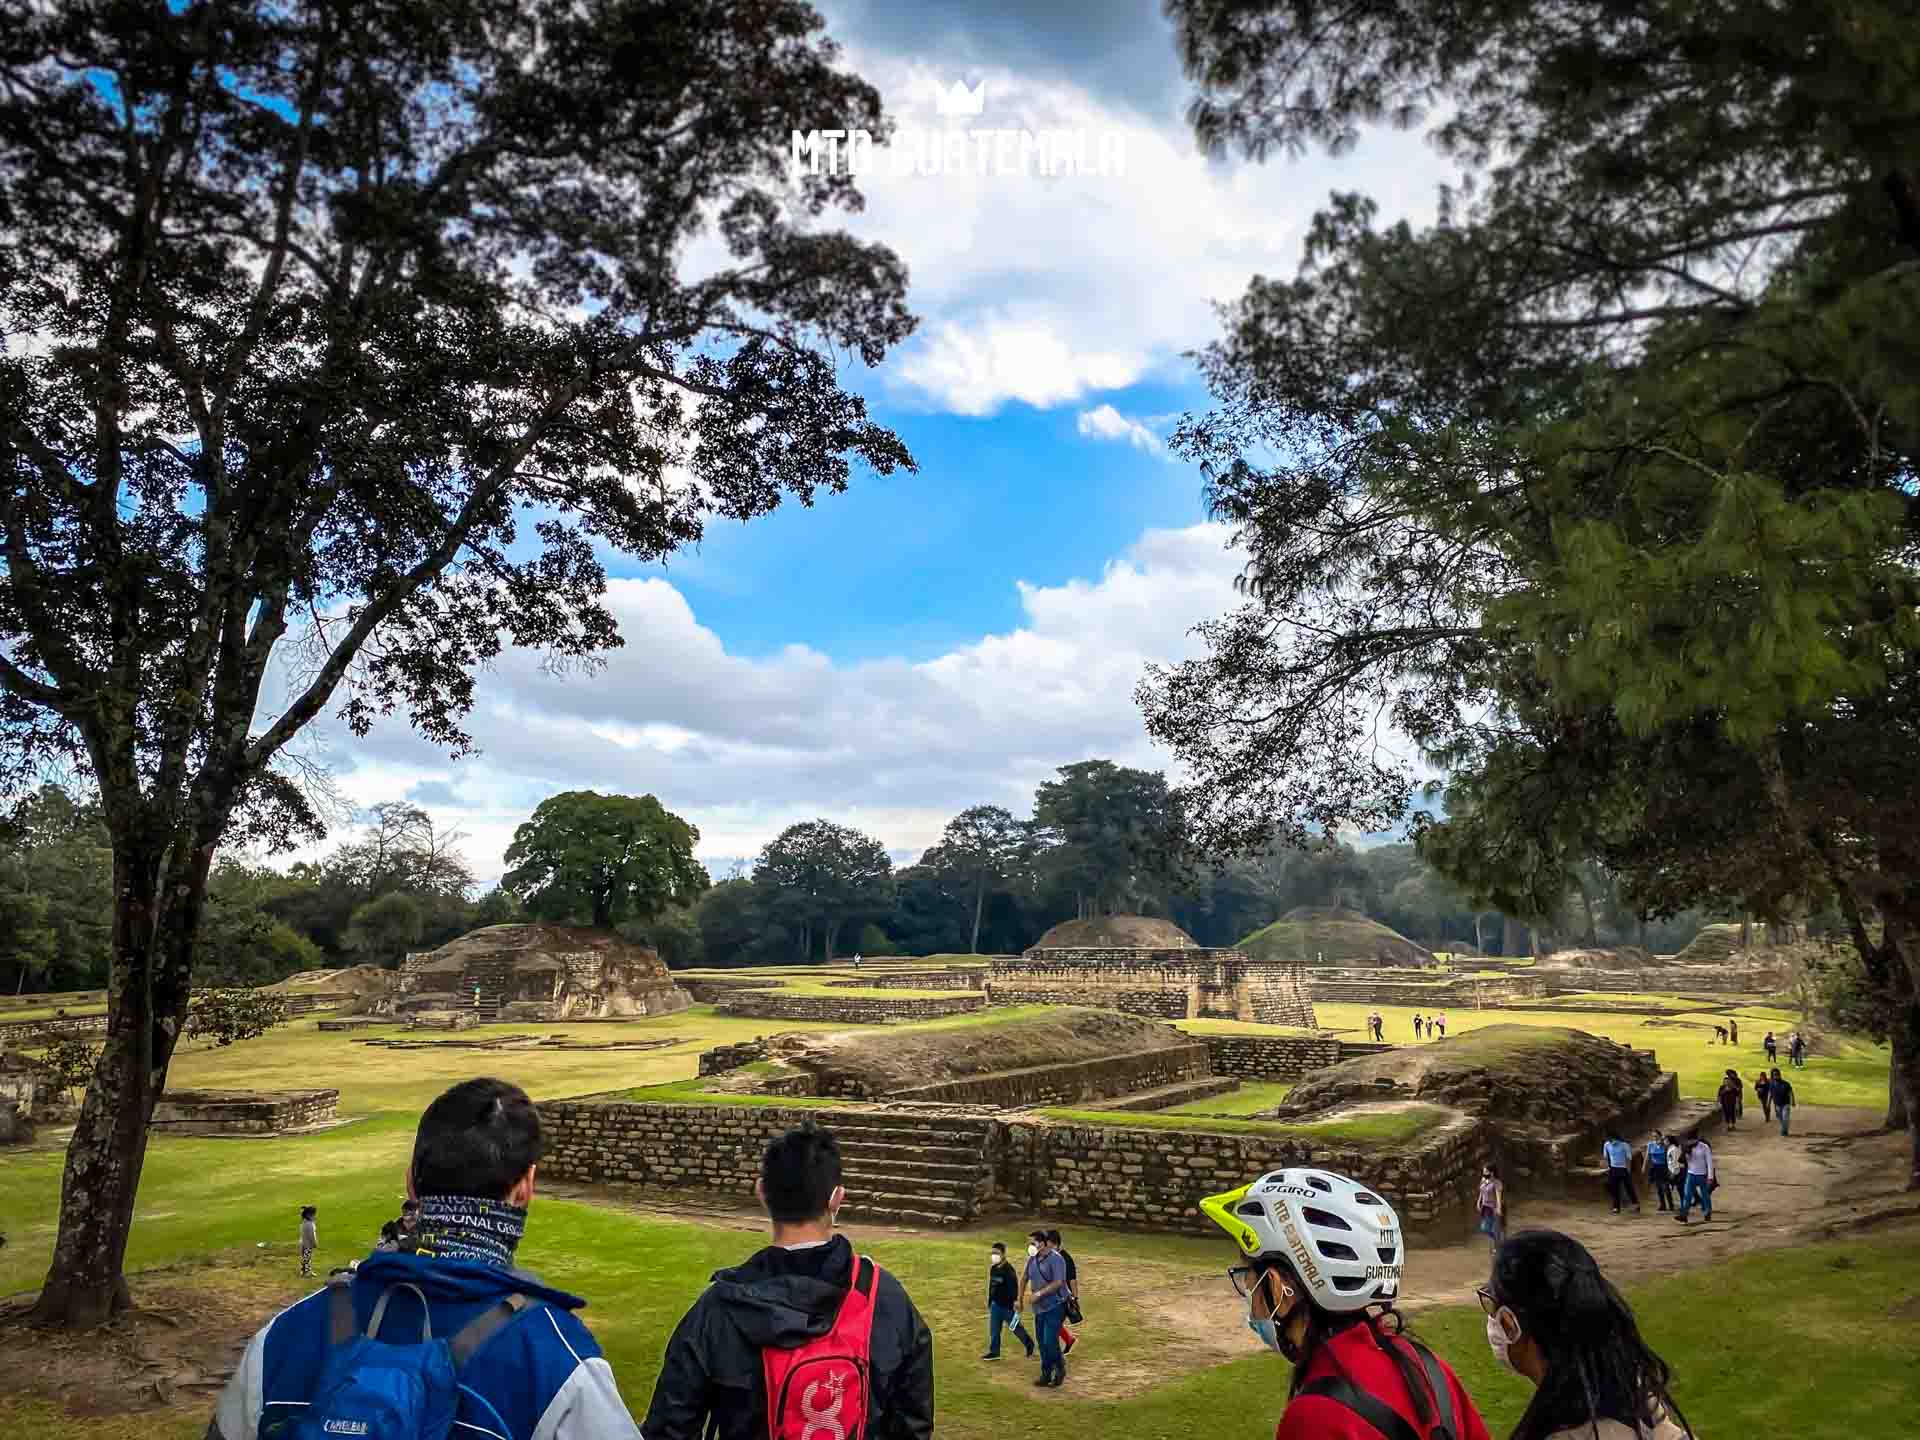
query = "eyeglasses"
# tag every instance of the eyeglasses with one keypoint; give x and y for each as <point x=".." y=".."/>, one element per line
<point x="1246" y="1279"/>
<point x="1488" y="1302"/>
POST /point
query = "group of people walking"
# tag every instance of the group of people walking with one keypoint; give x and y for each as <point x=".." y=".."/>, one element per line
<point x="809" y="1340"/>
<point x="1796" y="1049"/>
<point x="1425" y="1028"/>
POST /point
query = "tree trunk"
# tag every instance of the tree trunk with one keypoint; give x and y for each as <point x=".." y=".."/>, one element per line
<point x="979" y="904"/>
<point x="1593" y="934"/>
<point x="85" y="1286"/>
<point x="833" y="933"/>
<point x="1746" y="932"/>
<point x="1479" y="937"/>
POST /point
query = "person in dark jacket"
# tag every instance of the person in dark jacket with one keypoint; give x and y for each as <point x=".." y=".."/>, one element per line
<point x="1781" y="1093"/>
<point x="1003" y="1299"/>
<point x="712" y="1380"/>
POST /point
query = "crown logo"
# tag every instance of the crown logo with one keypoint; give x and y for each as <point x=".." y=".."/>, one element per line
<point x="957" y="99"/>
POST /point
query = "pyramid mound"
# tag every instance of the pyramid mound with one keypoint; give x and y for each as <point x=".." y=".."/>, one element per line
<point x="1111" y="932"/>
<point x="1314" y="935"/>
<point x="1714" y="945"/>
<point x="544" y="972"/>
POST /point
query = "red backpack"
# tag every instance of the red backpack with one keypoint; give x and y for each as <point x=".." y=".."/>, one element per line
<point x="819" y="1391"/>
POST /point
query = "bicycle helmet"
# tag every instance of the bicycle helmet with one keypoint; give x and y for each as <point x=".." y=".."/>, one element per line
<point x="1341" y="1240"/>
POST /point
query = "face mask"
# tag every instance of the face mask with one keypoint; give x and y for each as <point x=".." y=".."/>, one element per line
<point x="1498" y="1343"/>
<point x="1032" y="1250"/>
<point x="996" y="1257"/>
<point x="1272" y="1333"/>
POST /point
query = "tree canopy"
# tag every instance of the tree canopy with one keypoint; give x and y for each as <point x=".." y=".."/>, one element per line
<point x="342" y="341"/>
<point x="603" y="858"/>
<point x="821" y="877"/>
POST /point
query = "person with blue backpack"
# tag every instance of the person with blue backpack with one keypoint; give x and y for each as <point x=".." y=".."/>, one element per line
<point x="808" y="1340"/>
<point x="448" y="1338"/>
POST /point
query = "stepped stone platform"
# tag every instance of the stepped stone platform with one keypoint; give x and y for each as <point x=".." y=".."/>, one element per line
<point x="243" y="1112"/>
<point x="1182" y="1093"/>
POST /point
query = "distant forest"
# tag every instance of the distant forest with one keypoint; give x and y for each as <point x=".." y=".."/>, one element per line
<point x="1102" y="838"/>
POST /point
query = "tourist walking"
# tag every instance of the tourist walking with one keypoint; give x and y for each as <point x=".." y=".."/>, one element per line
<point x="1492" y="1204"/>
<point x="472" y="1171"/>
<point x="1443" y="1024"/>
<point x="1733" y="1030"/>
<point x="1781" y="1093"/>
<point x="309" y="1237"/>
<point x="1763" y="1091"/>
<point x="1555" y="1320"/>
<point x="1321" y="1260"/>
<point x="1419" y="1024"/>
<point x="1702" y="1179"/>
<point x="1619" y="1157"/>
<point x="1772" y="1047"/>
<point x="1070" y="1315"/>
<point x="1731" y="1089"/>
<point x="1797" y="1050"/>
<point x="1657" y="1176"/>
<point x="1044" y="1286"/>
<point x="1676" y="1165"/>
<point x="805" y="1301"/>
<point x="1003" y="1299"/>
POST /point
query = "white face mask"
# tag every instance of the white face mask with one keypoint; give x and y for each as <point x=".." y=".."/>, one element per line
<point x="1498" y="1343"/>
<point x="1032" y="1250"/>
<point x="995" y="1257"/>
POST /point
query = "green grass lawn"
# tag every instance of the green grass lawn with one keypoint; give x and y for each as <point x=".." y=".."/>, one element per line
<point x="1385" y="1128"/>
<point x="1854" y="1073"/>
<point x="1251" y="1098"/>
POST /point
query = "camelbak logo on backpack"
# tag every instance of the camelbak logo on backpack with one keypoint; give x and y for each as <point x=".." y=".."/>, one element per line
<point x="344" y="1427"/>
<point x="818" y="1391"/>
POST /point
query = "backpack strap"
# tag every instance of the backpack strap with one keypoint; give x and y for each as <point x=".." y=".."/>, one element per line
<point x="340" y="1309"/>
<point x="1442" y="1392"/>
<point x="1376" y="1413"/>
<point x="483" y="1327"/>
<point x="380" y="1310"/>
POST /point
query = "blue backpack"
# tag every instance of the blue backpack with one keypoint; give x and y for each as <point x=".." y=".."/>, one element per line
<point x="370" y="1389"/>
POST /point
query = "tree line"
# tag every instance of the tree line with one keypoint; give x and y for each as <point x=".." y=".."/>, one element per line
<point x="1101" y="837"/>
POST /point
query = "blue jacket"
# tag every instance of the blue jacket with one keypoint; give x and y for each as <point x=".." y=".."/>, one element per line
<point x="539" y="1377"/>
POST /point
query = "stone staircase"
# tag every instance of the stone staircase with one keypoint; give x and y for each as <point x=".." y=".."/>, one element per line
<point x="934" y="1172"/>
<point x="489" y="1007"/>
<point x="1167" y="1096"/>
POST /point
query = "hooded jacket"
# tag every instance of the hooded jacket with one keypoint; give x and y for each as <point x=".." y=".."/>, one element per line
<point x="712" y="1367"/>
<point x="539" y="1377"/>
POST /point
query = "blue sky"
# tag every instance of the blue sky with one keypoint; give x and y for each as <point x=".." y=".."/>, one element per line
<point x="946" y="638"/>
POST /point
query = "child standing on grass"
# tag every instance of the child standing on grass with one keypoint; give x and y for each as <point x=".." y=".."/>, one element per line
<point x="309" y="1237"/>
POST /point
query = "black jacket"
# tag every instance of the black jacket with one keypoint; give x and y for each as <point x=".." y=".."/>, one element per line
<point x="1781" y="1092"/>
<point x="1003" y="1286"/>
<point x="712" y="1368"/>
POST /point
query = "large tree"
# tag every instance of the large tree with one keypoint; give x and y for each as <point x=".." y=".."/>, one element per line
<point x="1612" y="464"/>
<point x="342" y="341"/>
<point x="1113" y="834"/>
<point x="603" y="858"/>
<point x="981" y="849"/>
<point x="818" y="876"/>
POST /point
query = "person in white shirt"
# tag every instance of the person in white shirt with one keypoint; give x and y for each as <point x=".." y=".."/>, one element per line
<point x="1701" y="1178"/>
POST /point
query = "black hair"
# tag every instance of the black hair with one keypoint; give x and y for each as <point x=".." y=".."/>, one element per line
<point x="1597" y="1366"/>
<point x="407" y="1207"/>
<point x="479" y="1139"/>
<point x="1039" y="1235"/>
<point x="1001" y="1248"/>
<point x="1492" y="1169"/>
<point x="390" y="1230"/>
<point x="1324" y="1324"/>
<point x="799" y="1173"/>
<point x="308" y="1211"/>
<point x="1053" y="1238"/>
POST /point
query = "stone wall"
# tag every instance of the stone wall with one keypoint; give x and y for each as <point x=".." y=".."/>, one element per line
<point x="1668" y="979"/>
<point x="19" y="1033"/>
<point x="847" y="1009"/>
<point x="1174" y="984"/>
<point x="306" y="1001"/>
<point x="731" y="1057"/>
<point x="922" y="980"/>
<point x="1157" y="1178"/>
<point x="1462" y="992"/>
<point x="239" y="1112"/>
<point x="1271" y="1057"/>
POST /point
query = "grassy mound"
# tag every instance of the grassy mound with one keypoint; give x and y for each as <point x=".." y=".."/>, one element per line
<point x="1714" y="945"/>
<point x="1559" y="1078"/>
<point x="1333" y="937"/>
<point x="900" y="1057"/>
<point x="1116" y="931"/>
<point x="1602" y="957"/>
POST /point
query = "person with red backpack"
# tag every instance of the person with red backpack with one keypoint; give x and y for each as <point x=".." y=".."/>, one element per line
<point x="807" y="1340"/>
<point x="1322" y="1262"/>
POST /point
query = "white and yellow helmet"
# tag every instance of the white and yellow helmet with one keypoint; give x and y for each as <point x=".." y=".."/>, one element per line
<point x="1340" y="1238"/>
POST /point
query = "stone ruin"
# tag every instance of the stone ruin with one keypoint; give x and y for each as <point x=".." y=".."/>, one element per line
<point x="1151" y="967"/>
<point x="536" y="972"/>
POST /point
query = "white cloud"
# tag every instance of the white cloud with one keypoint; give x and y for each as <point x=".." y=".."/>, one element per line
<point x="1103" y="422"/>
<point x="745" y="746"/>
<point x="1046" y="290"/>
